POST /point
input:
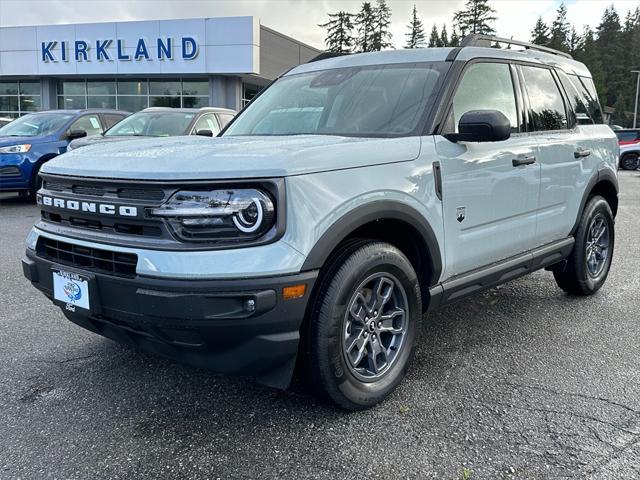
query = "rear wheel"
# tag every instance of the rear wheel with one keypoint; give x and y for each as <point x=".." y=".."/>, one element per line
<point x="363" y="330"/>
<point x="630" y="161"/>
<point x="588" y="265"/>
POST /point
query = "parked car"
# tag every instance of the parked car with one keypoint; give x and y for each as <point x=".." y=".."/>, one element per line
<point x="31" y="140"/>
<point x="354" y="195"/>
<point x="629" y="141"/>
<point x="163" y="122"/>
<point x="5" y="120"/>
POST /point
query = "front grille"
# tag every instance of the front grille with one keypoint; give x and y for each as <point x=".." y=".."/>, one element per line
<point x="88" y="190"/>
<point x="9" y="172"/>
<point x="87" y="258"/>
<point x="149" y="194"/>
<point x="104" y="224"/>
<point x="141" y="194"/>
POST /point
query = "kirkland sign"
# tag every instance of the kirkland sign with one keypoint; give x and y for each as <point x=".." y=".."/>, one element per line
<point x="101" y="50"/>
<point x="192" y="46"/>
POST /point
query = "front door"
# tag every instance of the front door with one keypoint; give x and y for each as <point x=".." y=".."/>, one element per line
<point x="489" y="204"/>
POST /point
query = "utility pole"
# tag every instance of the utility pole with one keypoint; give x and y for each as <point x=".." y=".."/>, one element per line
<point x="635" y="112"/>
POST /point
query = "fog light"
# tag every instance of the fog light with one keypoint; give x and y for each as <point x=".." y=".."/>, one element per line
<point x="294" y="291"/>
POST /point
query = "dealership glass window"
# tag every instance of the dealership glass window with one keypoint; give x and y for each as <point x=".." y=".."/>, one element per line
<point x="19" y="97"/>
<point x="133" y="94"/>
<point x="133" y="103"/>
<point x="249" y="91"/>
<point x="133" y="87"/>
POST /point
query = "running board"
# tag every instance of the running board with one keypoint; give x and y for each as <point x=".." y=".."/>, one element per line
<point x="466" y="284"/>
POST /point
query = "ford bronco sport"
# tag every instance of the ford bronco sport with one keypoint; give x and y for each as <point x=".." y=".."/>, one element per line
<point x="351" y="197"/>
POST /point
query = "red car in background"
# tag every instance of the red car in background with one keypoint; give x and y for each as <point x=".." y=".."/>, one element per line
<point x="629" y="141"/>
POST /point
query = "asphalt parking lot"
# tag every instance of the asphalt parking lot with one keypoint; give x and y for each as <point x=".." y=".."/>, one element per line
<point x="520" y="382"/>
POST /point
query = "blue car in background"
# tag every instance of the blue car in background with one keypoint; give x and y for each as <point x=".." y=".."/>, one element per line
<point x="29" y="141"/>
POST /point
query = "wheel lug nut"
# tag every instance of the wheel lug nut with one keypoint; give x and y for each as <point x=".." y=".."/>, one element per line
<point x="379" y="324"/>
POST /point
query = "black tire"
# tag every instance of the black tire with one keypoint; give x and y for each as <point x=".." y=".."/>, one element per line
<point x="331" y="373"/>
<point x="630" y="161"/>
<point x="578" y="278"/>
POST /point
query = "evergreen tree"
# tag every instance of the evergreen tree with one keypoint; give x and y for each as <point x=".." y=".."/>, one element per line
<point x="590" y="56"/>
<point x="619" y="117"/>
<point x="434" y="39"/>
<point x="560" y="30"/>
<point x="540" y="33"/>
<point x="477" y="17"/>
<point x="339" y="28"/>
<point x="574" y="41"/>
<point x="444" y="37"/>
<point x="609" y="45"/>
<point x="382" y="22"/>
<point x="365" y="26"/>
<point x="455" y="40"/>
<point x="415" y="36"/>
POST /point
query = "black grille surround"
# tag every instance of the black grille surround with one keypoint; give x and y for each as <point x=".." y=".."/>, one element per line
<point x="142" y="230"/>
<point x="87" y="258"/>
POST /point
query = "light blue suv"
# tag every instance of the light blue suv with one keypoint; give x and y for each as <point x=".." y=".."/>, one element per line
<point x="350" y="198"/>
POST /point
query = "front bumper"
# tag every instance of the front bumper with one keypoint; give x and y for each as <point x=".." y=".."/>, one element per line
<point x="206" y="323"/>
<point x="16" y="171"/>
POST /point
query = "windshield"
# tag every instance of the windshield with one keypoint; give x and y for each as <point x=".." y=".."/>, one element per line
<point x="35" y="124"/>
<point x="382" y="100"/>
<point x="152" y="124"/>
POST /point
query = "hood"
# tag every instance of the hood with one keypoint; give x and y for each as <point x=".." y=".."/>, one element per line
<point x="203" y="158"/>
<point x="93" y="139"/>
<point x="7" y="141"/>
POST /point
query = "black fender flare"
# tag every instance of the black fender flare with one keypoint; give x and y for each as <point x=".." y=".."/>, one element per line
<point x="604" y="175"/>
<point x="370" y="212"/>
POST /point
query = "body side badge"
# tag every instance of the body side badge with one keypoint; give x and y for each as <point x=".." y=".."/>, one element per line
<point x="461" y="213"/>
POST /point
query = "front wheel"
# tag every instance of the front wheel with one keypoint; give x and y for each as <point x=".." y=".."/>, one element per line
<point x="588" y="265"/>
<point x="363" y="330"/>
<point x="630" y="161"/>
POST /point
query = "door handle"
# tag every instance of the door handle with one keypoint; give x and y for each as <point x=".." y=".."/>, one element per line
<point x="524" y="160"/>
<point x="581" y="153"/>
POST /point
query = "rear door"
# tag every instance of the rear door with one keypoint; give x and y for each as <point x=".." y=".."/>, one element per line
<point x="489" y="205"/>
<point x="564" y="152"/>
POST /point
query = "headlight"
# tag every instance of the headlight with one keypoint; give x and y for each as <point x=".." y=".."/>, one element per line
<point x="233" y="215"/>
<point x="24" y="148"/>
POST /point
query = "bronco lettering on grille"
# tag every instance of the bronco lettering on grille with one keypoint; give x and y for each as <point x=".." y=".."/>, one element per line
<point x="90" y="207"/>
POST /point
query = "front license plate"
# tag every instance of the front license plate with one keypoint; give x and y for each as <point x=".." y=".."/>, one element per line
<point x="71" y="289"/>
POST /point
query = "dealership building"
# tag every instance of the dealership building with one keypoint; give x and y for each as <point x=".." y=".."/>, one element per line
<point x="133" y="65"/>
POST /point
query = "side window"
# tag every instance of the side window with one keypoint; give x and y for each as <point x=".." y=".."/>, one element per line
<point x="546" y="105"/>
<point x="89" y="123"/>
<point x="207" y="122"/>
<point x="579" y="99"/>
<point x="484" y="86"/>
<point x="587" y="85"/>
<point x="110" y="120"/>
<point x="224" y="119"/>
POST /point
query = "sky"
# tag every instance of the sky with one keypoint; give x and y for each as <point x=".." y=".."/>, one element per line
<point x="300" y="18"/>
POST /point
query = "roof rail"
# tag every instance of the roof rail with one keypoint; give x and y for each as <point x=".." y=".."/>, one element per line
<point x="325" y="55"/>
<point x="477" y="40"/>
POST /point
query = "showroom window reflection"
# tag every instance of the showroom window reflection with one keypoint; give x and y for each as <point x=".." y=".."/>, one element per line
<point x="19" y="97"/>
<point x="133" y="94"/>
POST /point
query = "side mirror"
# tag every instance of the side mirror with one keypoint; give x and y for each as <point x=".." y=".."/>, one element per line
<point x="205" y="133"/>
<point x="482" y="126"/>
<point x="73" y="134"/>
